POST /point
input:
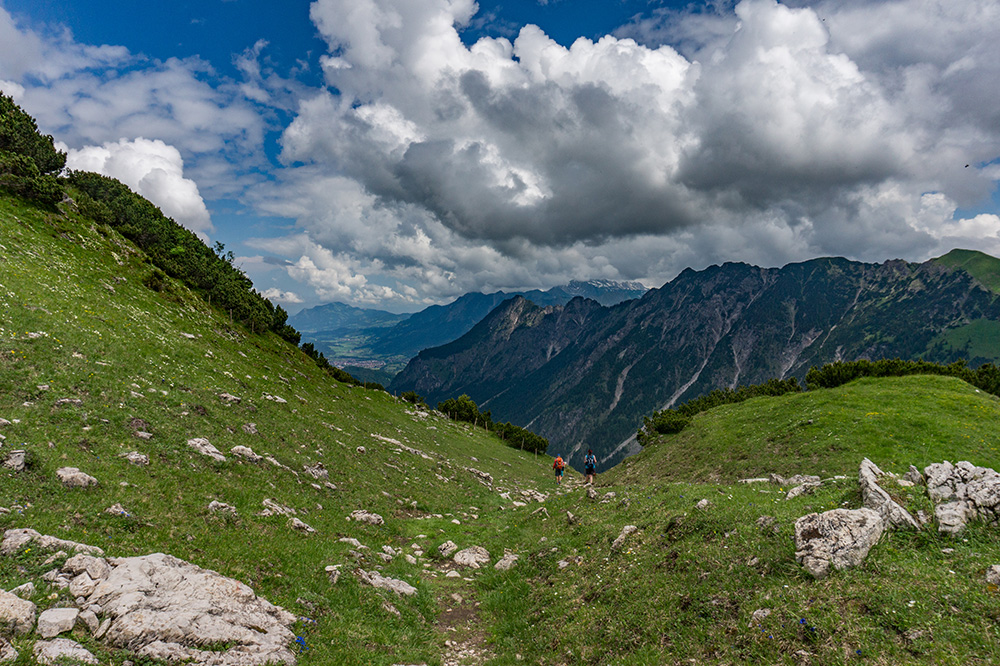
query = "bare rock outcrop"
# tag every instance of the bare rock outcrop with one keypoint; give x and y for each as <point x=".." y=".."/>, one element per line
<point x="8" y="652"/>
<point x="875" y="497"/>
<point x="961" y="493"/>
<point x="837" y="539"/>
<point x="158" y="601"/>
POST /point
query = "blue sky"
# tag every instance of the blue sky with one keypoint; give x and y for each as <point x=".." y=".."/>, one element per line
<point x="398" y="153"/>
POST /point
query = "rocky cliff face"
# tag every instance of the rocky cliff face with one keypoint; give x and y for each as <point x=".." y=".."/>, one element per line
<point x="584" y="375"/>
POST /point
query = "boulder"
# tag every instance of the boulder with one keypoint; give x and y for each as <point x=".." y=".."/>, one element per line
<point x="472" y="557"/>
<point x="16" y="613"/>
<point x="55" y="621"/>
<point x="250" y="428"/>
<point x="230" y="398"/>
<point x="875" y="497"/>
<point x="836" y="539"/>
<point x="158" y="599"/>
<point x="447" y="548"/>
<point x="620" y="541"/>
<point x="375" y="579"/>
<point x="703" y="505"/>
<point x="205" y="448"/>
<point x="60" y="651"/>
<point x="993" y="575"/>
<point x="71" y="477"/>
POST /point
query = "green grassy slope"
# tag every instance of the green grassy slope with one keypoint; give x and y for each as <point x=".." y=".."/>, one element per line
<point x="981" y="266"/>
<point x="685" y="586"/>
<point x="76" y="322"/>
<point x="895" y="421"/>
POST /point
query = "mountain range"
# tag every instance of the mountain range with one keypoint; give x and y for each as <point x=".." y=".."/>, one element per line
<point x="583" y="375"/>
<point x="364" y="339"/>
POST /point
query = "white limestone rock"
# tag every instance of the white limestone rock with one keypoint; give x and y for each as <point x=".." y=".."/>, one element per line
<point x="25" y="591"/>
<point x="246" y="453"/>
<point x="620" y="541"/>
<point x="205" y="448"/>
<point x="802" y="489"/>
<point x="60" y="651"/>
<point x="472" y="557"/>
<point x="16" y="460"/>
<point x="506" y="562"/>
<point x="875" y="497"/>
<point x="15" y="539"/>
<point x="375" y="579"/>
<point x="136" y="458"/>
<point x="317" y="471"/>
<point x="55" y="621"/>
<point x="447" y="548"/>
<point x="836" y="539"/>
<point x="367" y="517"/>
<point x="16" y="613"/>
<point x="158" y="599"/>
<point x="71" y="477"/>
<point x="96" y="567"/>
<point x="300" y="526"/>
<point x="216" y="506"/>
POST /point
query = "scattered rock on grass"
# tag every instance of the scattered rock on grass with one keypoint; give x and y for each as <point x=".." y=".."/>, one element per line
<point x="837" y="539"/>
<point x="71" y="477"/>
<point x="136" y="458"/>
<point x="472" y="557"/>
<point x="204" y="447"/>
<point x="375" y="579"/>
<point x="447" y="548"/>
<point x="506" y="562"/>
<point x="620" y="541"/>
<point x="367" y="517"/>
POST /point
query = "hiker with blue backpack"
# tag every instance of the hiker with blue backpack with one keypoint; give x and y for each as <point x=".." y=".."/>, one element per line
<point x="589" y="465"/>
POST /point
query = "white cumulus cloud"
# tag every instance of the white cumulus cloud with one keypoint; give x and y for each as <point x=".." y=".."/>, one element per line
<point x="153" y="169"/>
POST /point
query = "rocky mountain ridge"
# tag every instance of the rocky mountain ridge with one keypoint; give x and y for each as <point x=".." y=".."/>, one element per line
<point x="583" y="375"/>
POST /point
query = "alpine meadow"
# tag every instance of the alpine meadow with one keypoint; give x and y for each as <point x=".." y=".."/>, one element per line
<point x="183" y="479"/>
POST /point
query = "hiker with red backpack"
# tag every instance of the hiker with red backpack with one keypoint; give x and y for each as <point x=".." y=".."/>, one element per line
<point x="559" y="465"/>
